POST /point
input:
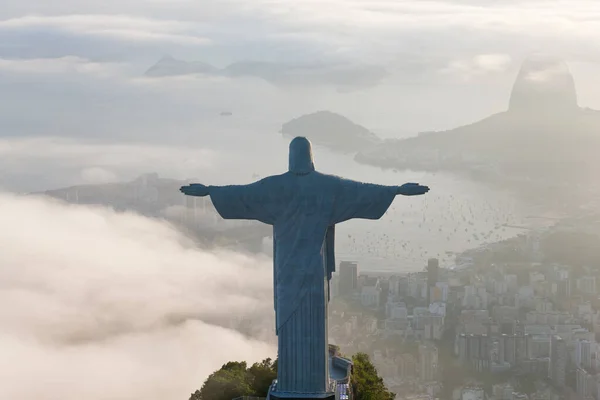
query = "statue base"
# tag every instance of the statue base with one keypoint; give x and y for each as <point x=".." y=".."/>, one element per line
<point x="302" y="396"/>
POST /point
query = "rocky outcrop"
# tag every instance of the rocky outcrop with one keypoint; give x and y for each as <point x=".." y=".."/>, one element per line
<point x="543" y="134"/>
<point x="544" y="85"/>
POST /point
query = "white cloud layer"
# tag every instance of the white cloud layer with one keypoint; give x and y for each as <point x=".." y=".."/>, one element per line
<point x="71" y="152"/>
<point x="62" y="65"/>
<point x="382" y="29"/>
<point x="475" y="67"/>
<point x="122" y="27"/>
<point x="51" y="162"/>
<point x="97" y="175"/>
<point x="99" y="305"/>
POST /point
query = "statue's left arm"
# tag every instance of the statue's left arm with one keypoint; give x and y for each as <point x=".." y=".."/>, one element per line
<point x="367" y="200"/>
<point x="255" y="201"/>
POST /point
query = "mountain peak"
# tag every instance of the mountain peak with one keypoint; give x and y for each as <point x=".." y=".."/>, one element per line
<point x="544" y="84"/>
<point x="170" y="66"/>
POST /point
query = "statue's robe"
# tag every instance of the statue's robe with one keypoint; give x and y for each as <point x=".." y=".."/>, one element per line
<point x="303" y="210"/>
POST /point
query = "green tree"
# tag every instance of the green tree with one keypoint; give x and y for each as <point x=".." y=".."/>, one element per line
<point x="229" y="382"/>
<point x="261" y="376"/>
<point x="366" y="383"/>
<point x="235" y="379"/>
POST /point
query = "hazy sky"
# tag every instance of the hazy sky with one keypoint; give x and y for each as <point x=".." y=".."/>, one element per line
<point x="73" y="69"/>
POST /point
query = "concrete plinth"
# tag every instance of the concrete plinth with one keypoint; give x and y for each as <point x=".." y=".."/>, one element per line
<point x="302" y="396"/>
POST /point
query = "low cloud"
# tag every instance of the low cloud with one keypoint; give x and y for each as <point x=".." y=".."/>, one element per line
<point x="101" y="154"/>
<point x="480" y="65"/>
<point x="330" y="30"/>
<point x="100" y="305"/>
<point x="34" y="164"/>
<point x="95" y="175"/>
<point x="492" y="62"/>
<point x="120" y="27"/>
<point x="547" y="74"/>
<point x="62" y="65"/>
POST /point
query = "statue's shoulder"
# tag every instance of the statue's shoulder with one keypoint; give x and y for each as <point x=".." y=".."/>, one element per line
<point x="313" y="177"/>
<point x="321" y="175"/>
<point x="273" y="178"/>
<point x="326" y="182"/>
<point x="283" y="181"/>
<point x="328" y="177"/>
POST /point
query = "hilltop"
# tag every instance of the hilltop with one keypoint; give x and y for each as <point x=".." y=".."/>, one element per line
<point x="156" y="197"/>
<point x="331" y="130"/>
<point x="169" y="66"/>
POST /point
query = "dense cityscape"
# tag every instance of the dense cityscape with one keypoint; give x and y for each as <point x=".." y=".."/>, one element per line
<point x="508" y="322"/>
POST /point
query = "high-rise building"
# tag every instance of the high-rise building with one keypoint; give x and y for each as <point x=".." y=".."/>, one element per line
<point x="563" y="288"/>
<point x="558" y="360"/>
<point x="348" y="277"/>
<point x="583" y="354"/>
<point x="472" y="393"/>
<point x="514" y="348"/>
<point x="478" y="350"/>
<point x="370" y="293"/>
<point x="428" y="362"/>
<point x="510" y="349"/>
<point x="503" y="391"/>
<point x="433" y="267"/>
<point x="586" y="383"/>
<point x="407" y="366"/>
<point x="587" y="284"/>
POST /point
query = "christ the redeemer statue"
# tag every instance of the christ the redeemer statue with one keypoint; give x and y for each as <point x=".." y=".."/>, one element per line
<point x="303" y="206"/>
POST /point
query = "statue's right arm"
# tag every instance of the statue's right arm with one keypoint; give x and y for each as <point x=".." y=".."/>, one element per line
<point x="195" y="189"/>
<point x="412" y="189"/>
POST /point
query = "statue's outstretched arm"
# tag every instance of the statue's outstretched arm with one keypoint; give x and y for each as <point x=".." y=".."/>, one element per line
<point x="254" y="201"/>
<point x="412" y="189"/>
<point x="195" y="189"/>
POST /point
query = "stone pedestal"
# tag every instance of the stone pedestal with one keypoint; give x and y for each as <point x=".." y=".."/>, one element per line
<point x="302" y="396"/>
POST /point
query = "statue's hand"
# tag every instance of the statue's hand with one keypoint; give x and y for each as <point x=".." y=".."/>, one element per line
<point x="412" y="189"/>
<point x="195" y="189"/>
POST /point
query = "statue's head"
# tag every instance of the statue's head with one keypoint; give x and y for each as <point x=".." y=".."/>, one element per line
<point x="301" y="158"/>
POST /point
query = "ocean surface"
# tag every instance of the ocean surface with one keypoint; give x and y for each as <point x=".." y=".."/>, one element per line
<point x="456" y="215"/>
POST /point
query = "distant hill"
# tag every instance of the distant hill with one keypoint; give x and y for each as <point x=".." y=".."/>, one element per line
<point x="148" y="195"/>
<point x="543" y="134"/>
<point x="331" y="130"/>
<point x="156" y="197"/>
<point x="343" y="76"/>
<point x="169" y="66"/>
